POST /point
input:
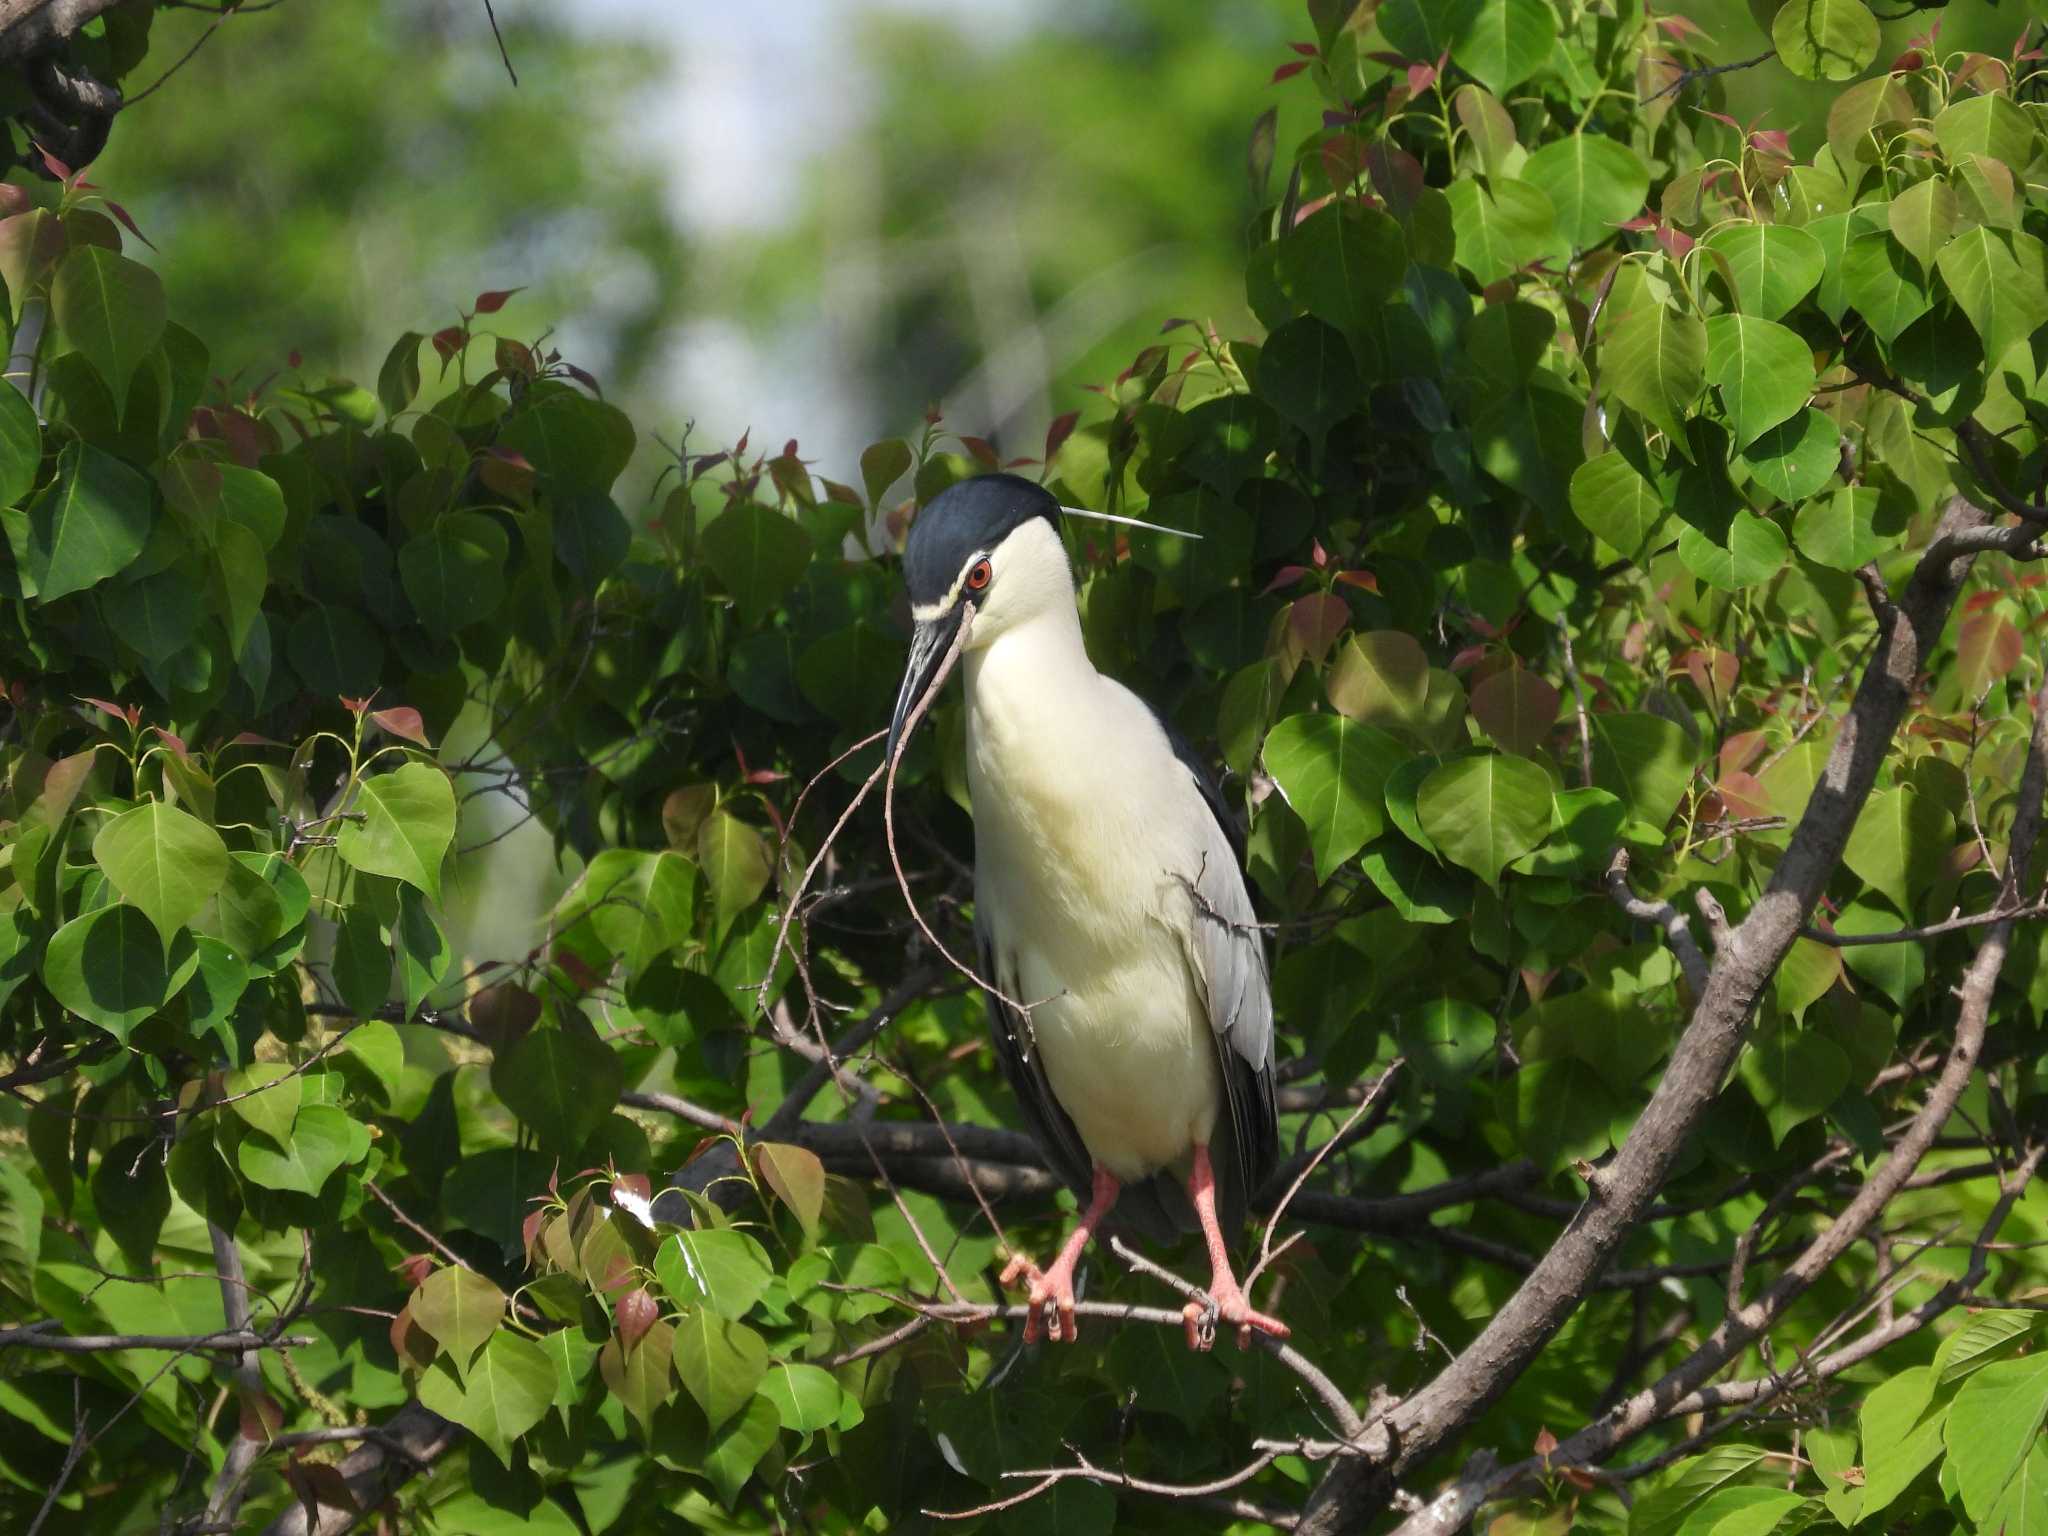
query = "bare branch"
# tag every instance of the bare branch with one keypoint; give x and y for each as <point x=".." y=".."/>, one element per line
<point x="1665" y="916"/>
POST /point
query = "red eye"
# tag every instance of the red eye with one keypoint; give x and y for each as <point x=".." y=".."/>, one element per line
<point x="979" y="576"/>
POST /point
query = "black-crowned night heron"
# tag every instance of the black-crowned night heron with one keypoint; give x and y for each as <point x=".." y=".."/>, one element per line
<point x="1109" y="902"/>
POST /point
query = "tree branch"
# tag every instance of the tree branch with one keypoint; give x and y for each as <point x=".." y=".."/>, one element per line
<point x="1356" y="1489"/>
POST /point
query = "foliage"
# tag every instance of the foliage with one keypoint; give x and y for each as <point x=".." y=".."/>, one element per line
<point x="1607" y="482"/>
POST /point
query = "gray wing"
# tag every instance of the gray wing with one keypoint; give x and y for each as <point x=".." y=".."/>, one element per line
<point x="1025" y="1071"/>
<point x="1229" y="957"/>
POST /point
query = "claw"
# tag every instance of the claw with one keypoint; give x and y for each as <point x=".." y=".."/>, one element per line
<point x="1229" y="1307"/>
<point x="1049" y="1297"/>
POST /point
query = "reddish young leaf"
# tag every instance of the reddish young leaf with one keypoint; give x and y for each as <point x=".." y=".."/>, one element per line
<point x="415" y="1267"/>
<point x="56" y="167"/>
<point x="1516" y="708"/>
<point x="128" y="224"/>
<point x="1286" y="576"/>
<point x="636" y="1312"/>
<point x="1314" y="623"/>
<point x="13" y="200"/>
<point x="1987" y="647"/>
<point x="115" y="710"/>
<point x="529" y="1232"/>
<point x="503" y="1013"/>
<point x="174" y="742"/>
<point x="402" y="720"/>
<point x="261" y="1416"/>
<point x="1741" y="751"/>
<point x="1364" y="580"/>
<point x="1057" y="434"/>
<point x="1744" y="795"/>
<point x="583" y="378"/>
<point x="449" y="340"/>
<point x="1288" y="70"/>
<point x="1306" y="50"/>
<point x="491" y="302"/>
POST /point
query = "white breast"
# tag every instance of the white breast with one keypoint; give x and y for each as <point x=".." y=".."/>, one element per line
<point x="1083" y="820"/>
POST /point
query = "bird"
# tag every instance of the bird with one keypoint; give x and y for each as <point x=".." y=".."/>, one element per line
<point x="1120" y="957"/>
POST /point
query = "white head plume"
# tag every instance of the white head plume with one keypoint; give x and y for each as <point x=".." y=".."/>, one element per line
<point x="1129" y="522"/>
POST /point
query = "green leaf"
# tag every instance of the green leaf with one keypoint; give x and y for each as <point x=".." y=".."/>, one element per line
<point x="1307" y="374"/>
<point x="1380" y="678"/>
<point x="1333" y="772"/>
<point x="425" y="956"/>
<point x="2000" y="280"/>
<point x="1754" y="553"/>
<point x="253" y="500"/>
<point x="882" y="465"/>
<point x="1645" y="759"/>
<point x="459" y="1309"/>
<point x="376" y="1044"/>
<point x="1879" y="280"/>
<point x="736" y="864"/>
<point x="109" y="968"/>
<point x="21" y="1230"/>
<point x="1797" y="457"/>
<point x="361" y="966"/>
<point x="1805" y="975"/>
<point x="1446" y="1038"/>
<point x="720" y="1362"/>
<point x="90" y="521"/>
<point x="2022" y="1510"/>
<point x="1559" y="1110"/>
<point x="561" y="1082"/>
<point x="1862" y="113"/>
<point x="454" y="573"/>
<point x="734" y="1452"/>
<point x="335" y="651"/>
<point x="1688" y="1485"/>
<point x="109" y="308"/>
<point x="163" y="860"/>
<point x="806" y="1398"/>
<point x="1847" y="530"/>
<point x="319" y="1144"/>
<point x="266" y="1095"/>
<point x="1986" y="1337"/>
<point x="1901" y="1435"/>
<point x="722" y="1272"/>
<point x="507" y="1391"/>
<point x="1775" y="265"/>
<point x="1898" y="844"/>
<point x="408" y="823"/>
<point x="1991" y="1425"/>
<point x="21" y="447"/>
<point x="638" y="904"/>
<point x="1618" y="504"/>
<point x="1505" y="42"/>
<point x="1793" y="1076"/>
<point x="758" y="554"/>
<point x="1501" y="228"/>
<point x="131" y="1192"/>
<point x="1992" y="125"/>
<point x="1764" y="372"/>
<point x="1594" y="183"/>
<point x="1654" y="360"/>
<point x="1826" y="39"/>
<point x="1484" y="812"/>
<point x="1425" y="29"/>
<point x="1342" y="263"/>
<point x="1923" y="217"/>
<point x="398" y="380"/>
<point x="798" y="1179"/>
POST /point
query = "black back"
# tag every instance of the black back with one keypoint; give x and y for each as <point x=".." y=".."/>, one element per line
<point x="969" y="518"/>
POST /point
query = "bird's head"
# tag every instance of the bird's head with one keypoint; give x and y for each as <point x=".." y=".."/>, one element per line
<point x="985" y="552"/>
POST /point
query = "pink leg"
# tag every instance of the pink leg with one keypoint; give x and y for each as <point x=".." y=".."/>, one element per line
<point x="1054" y="1288"/>
<point x="1232" y="1305"/>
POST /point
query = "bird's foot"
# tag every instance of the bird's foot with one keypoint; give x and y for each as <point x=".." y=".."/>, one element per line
<point x="1049" y="1297"/>
<point x="1228" y="1305"/>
